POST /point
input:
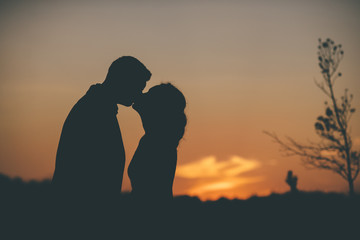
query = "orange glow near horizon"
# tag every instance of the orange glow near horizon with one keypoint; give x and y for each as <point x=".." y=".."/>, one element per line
<point x="213" y="177"/>
<point x="244" y="67"/>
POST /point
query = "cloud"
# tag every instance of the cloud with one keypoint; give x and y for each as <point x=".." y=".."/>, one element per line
<point x="210" y="167"/>
<point x="213" y="175"/>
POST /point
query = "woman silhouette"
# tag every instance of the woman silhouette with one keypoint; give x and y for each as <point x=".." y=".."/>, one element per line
<point x="153" y="165"/>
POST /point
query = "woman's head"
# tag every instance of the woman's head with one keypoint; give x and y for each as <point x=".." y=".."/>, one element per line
<point x="162" y="112"/>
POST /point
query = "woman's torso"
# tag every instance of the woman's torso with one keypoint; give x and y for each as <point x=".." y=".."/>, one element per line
<point x="152" y="169"/>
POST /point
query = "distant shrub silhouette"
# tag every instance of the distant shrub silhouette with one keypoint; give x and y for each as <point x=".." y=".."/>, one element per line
<point x="291" y="180"/>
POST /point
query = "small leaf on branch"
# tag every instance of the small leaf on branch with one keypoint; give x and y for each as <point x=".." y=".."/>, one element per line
<point x="329" y="112"/>
<point x="319" y="126"/>
<point x="327" y="124"/>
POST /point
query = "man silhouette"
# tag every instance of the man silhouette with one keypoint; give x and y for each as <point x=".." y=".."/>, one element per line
<point x="90" y="158"/>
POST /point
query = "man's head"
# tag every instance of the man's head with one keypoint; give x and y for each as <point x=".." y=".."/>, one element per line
<point x="126" y="79"/>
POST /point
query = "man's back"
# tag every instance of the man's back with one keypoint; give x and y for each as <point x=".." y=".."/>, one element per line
<point x="90" y="157"/>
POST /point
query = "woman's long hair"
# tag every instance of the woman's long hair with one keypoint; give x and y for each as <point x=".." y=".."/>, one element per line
<point x="170" y="106"/>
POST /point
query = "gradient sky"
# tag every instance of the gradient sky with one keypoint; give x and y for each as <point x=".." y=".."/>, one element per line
<point x="244" y="67"/>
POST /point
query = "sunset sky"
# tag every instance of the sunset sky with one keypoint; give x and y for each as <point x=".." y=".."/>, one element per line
<point x="243" y="66"/>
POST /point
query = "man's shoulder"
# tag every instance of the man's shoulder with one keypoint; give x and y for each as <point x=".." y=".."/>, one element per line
<point x="92" y="107"/>
<point x="81" y="106"/>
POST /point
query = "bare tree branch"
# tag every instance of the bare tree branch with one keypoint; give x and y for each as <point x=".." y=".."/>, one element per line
<point x="334" y="153"/>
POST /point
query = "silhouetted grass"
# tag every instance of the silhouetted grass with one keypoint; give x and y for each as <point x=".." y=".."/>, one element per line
<point x="30" y="210"/>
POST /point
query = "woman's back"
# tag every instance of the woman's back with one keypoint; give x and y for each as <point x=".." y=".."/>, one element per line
<point x="152" y="169"/>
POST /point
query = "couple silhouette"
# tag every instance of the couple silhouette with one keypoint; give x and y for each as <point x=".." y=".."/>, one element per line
<point x="90" y="158"/>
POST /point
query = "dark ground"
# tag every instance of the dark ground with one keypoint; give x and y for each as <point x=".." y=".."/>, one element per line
<point x="30" y="211"/>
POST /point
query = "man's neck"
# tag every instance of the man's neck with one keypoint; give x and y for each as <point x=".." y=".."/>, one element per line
<point x="108" y="93"/>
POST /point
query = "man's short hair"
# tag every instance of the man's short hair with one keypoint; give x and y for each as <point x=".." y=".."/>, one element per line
<point x="127" y="66"/>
